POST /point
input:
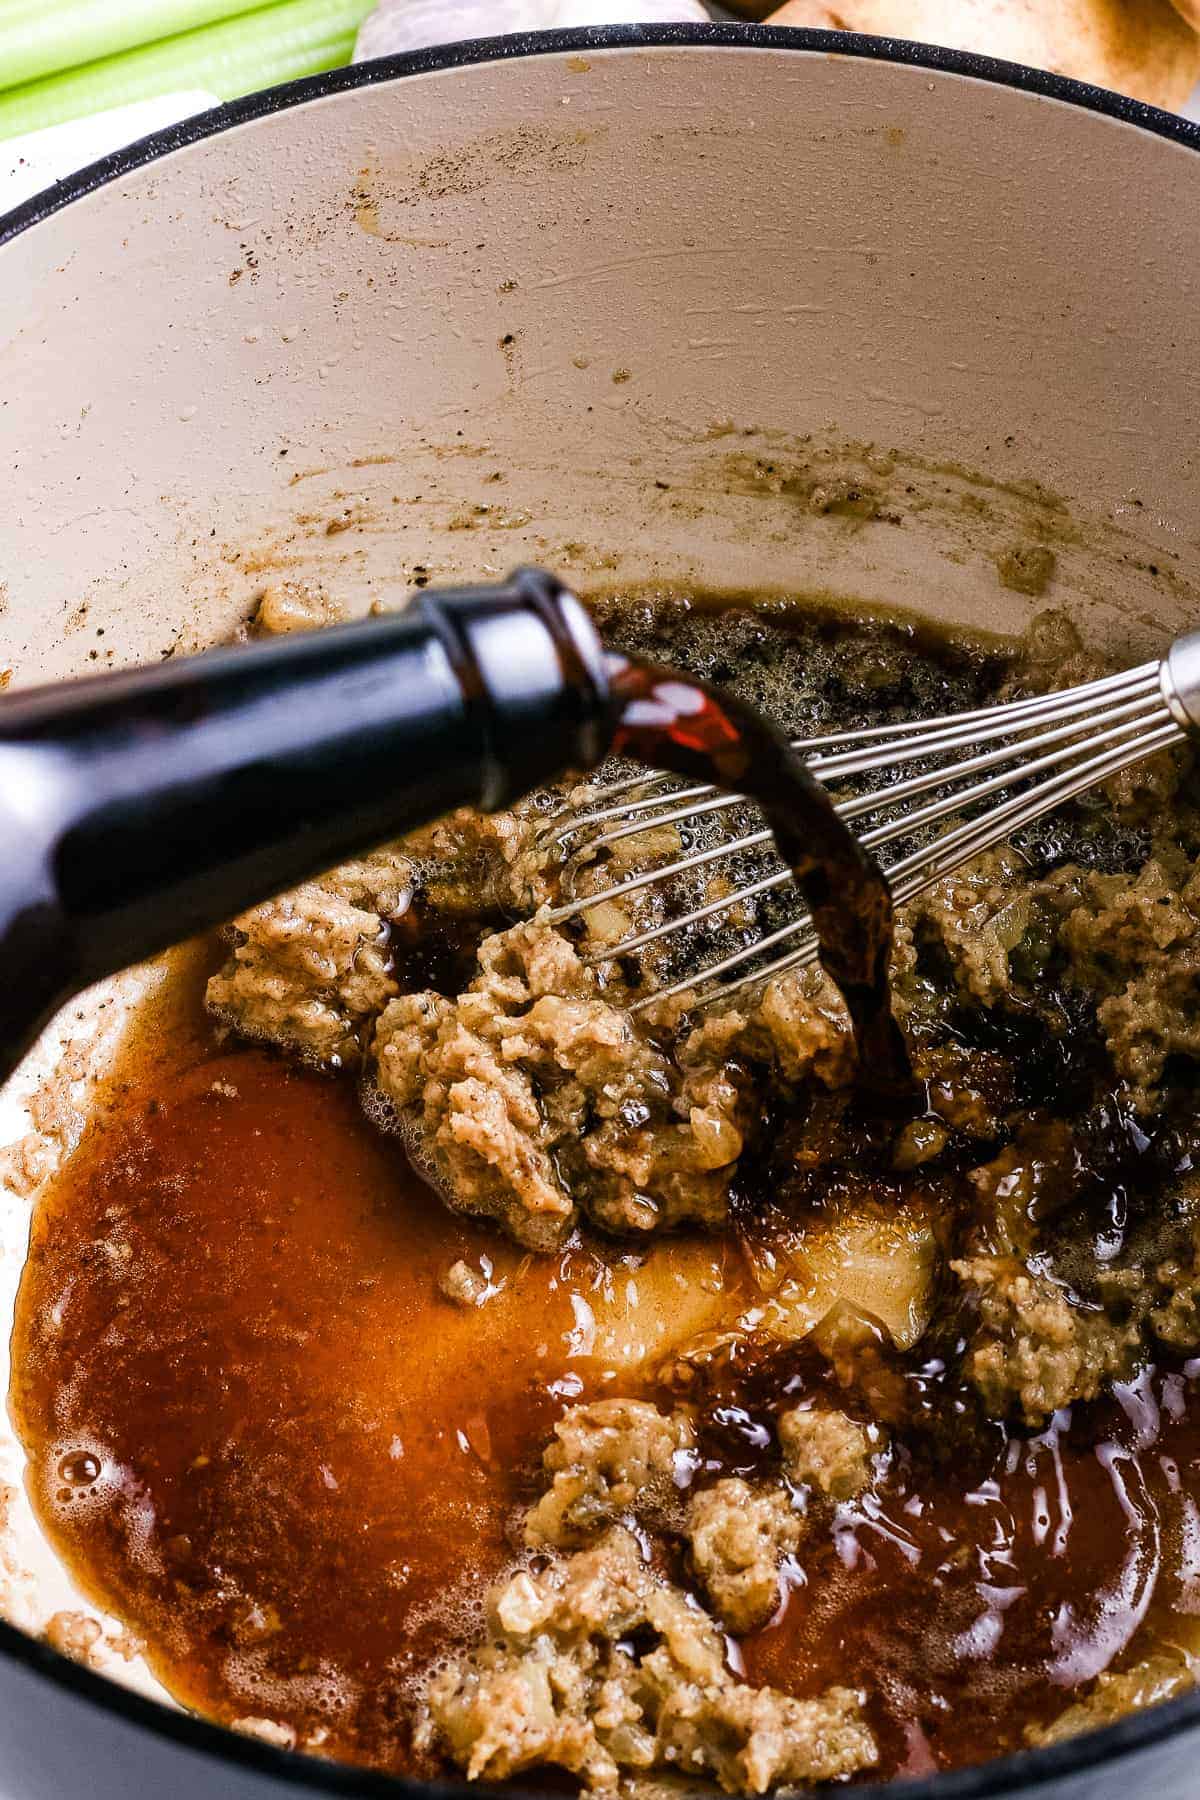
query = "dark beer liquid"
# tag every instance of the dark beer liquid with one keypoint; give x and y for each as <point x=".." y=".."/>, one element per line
<point x="686" y="727"/>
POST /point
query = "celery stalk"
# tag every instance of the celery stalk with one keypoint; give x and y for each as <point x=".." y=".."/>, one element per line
<point x="255" y="50"/>
<point x="37" y="39"/>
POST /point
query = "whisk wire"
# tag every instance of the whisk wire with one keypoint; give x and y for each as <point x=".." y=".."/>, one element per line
<point x="914" y="874"/>
<point x="1022" y="759"/>
<point x="917" y="784"/>
<point x="949" y="731"/>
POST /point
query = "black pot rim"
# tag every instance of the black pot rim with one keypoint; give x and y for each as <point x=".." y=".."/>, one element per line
<point x="1029" y="1769"/>
<point x="520" y="45"/>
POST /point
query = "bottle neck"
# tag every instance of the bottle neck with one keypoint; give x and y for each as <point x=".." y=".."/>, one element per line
<point x="145" y="807"/>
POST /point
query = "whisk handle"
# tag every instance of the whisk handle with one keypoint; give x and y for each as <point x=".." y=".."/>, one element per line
<point x="1179" y="677"/>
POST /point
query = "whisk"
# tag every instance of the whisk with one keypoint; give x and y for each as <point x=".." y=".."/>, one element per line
<point x="981" y="775"/>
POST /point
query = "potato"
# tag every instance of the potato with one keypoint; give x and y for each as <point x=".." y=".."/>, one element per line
<point x="1139" y="47"/>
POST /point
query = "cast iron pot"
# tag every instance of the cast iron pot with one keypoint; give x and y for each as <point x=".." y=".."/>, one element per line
<point x="750" y="308"/>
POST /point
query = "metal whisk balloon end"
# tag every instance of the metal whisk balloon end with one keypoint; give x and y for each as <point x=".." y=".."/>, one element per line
<point x="979" y="777"/>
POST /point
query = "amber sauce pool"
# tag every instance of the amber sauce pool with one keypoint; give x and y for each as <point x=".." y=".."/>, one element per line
<point x="258" y="1435"/>
<point x="256" y="1432"/>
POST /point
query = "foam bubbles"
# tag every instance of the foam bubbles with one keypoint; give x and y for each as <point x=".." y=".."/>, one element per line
<point x="80" y="1475"/>
<point x="405" y="1123"/>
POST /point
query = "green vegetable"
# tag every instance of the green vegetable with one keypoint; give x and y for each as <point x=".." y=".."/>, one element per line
<point x="237" y="56"/>
<point x="37" y="39"/>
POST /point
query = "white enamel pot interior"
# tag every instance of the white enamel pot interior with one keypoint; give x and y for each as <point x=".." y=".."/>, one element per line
<point x="635" y="305"/>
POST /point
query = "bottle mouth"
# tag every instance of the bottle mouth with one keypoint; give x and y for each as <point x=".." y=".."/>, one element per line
<point x="587" y="667"/>
<point x="534" y="676"/>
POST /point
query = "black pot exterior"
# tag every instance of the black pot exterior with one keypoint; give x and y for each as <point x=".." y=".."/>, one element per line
<point x="64" y="1730"/>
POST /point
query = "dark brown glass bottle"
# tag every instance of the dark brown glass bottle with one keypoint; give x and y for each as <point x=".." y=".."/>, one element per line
<point x="138" y="808"/>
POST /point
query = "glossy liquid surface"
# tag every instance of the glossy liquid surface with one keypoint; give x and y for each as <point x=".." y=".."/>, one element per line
<point x="257" y="1432"/>
<point x="259" y="1435"/>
